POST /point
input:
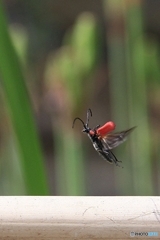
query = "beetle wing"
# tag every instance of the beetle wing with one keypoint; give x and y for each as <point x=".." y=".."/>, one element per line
<point x="113" y="140"/>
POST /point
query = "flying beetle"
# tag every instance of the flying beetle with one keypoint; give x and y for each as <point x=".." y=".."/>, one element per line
<point x="102" y="138"/>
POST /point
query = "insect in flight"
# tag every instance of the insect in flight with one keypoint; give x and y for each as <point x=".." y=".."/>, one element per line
<point x="102" y="138"/>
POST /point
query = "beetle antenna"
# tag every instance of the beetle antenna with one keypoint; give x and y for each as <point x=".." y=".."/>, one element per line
<point x="89" y="113"/>
<point x="79" y="120"/>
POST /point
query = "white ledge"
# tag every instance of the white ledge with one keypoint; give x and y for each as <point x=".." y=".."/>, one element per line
<point x="78" y="217"/>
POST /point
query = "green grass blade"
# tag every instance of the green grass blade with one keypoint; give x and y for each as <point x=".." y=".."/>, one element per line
<point x="21" y="114"/>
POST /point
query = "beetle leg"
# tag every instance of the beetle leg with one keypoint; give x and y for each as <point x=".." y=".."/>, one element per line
<point x="113" y="157"/>
<point x="106" y="151"/>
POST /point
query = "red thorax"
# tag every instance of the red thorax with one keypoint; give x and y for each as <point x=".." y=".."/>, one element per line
<point x="105" y="129"/>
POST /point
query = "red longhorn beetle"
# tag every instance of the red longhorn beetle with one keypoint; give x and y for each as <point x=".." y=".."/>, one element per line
<point x="103" y="141"/>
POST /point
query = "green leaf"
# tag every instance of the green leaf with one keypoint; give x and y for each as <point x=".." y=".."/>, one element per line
<point x="21" y="114"/>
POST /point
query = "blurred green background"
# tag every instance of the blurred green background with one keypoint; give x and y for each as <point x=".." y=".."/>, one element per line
<point x="57" y="59"/>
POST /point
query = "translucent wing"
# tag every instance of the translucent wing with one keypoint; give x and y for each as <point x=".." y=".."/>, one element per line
<point x="111" y="141"/>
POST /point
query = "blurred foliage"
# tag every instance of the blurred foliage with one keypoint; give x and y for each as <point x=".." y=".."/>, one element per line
<point x="67" y="77"/>
<point x="69" y="67"/>
<point x="129" y="92"/>
<point x="64" y="59"/>
<point x="19" y="39"/>
<point x="19" y="108"/>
